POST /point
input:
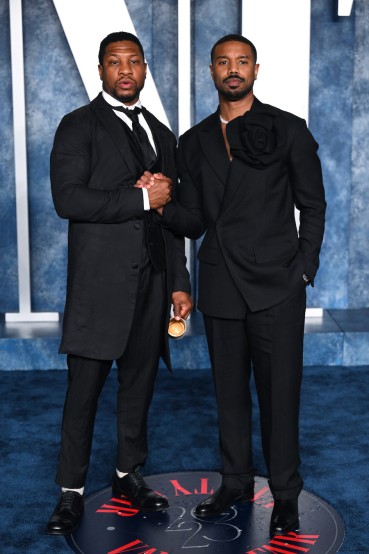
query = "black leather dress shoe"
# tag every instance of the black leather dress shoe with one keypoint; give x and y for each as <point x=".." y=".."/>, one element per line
<point x="134" y="488"/>
<point x="285" y="517"/>
<point x="66" y="515"/>
<point x="223" y="499"/>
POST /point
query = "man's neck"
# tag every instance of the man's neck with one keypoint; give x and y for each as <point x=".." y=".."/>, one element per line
<point x="230" y="110"/>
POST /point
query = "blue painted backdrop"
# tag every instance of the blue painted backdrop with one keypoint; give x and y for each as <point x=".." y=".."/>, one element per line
<point x="339" y="119"/>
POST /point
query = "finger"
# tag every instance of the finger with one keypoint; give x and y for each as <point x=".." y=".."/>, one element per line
<point x="161" y="177"/>
<point x="147" y="176"/>
<point x="177" y="310"/>
<point x="186" y="310"/>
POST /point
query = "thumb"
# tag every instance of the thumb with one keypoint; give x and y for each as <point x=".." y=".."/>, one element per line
<point x="177" y="310"/>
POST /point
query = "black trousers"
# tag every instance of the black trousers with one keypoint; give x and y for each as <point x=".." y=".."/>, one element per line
<point x="137" y="370"/>
<point x="271" y="343"/>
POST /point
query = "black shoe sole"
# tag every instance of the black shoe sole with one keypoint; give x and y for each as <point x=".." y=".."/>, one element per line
<point x="291" y="529"/>
<point x="136" y="506"/>
<point x="247" y="497"/>
<point x="56" y="532"/>
<point x="59" y="532"/>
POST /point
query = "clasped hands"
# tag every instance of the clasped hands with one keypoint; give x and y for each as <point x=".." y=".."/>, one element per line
<point x="159" y="188"/>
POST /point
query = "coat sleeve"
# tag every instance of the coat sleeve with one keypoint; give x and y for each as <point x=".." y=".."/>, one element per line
<point x="70" y="174"/>
<point x="181" y="277"/>
<point x="184" y="215"/>
<point x="181" y="280"/>
<point x="307" y="185"/>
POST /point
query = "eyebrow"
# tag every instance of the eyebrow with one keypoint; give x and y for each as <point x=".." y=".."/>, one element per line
<point x="117" y="54"/>
<point x="238" y="57"/>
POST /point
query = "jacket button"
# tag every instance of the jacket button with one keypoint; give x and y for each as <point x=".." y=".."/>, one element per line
<point x="134" y="266"/>
<point x="137" y="225"/>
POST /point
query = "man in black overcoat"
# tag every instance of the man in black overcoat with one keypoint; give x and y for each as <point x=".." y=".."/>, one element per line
<point x="124" y="271"/>
<point x="242" y="171"/>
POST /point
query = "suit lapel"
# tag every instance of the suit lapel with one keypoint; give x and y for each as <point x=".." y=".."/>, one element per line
<point x="214" y="149"/>
<point x="114" y="127"/>
<point x="236" y="175"/>
<point x="238" y="170"/>
<point x="160" y="137"/>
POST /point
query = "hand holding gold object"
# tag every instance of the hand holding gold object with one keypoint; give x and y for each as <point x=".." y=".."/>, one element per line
<point x="176" y="328"/>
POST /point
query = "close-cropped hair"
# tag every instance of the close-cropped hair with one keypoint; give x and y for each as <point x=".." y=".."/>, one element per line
<point x="234" y="38"/>
<point x="118" y="37"/>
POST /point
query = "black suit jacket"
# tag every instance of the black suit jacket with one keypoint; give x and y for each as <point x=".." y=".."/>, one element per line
<point x="92" y="177"/>
<point x="251" y="252"/>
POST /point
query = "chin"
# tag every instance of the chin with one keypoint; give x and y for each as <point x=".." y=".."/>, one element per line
<point x="126" y="97"/>
<point x="234" y="95"/>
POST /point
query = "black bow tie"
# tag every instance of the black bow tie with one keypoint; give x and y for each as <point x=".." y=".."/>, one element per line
<point x="140" y="134"/>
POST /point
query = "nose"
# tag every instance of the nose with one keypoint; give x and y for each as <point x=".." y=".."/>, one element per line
<point x="125" y="68"/>
<point x="233" y="67"/>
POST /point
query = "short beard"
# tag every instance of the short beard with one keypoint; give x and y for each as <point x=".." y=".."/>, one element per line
<point x="234" y="95"/>
<point x="126" y="98"/>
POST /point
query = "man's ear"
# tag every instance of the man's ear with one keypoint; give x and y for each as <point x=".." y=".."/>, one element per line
<point x="256" y="71"/>
<point x="100" y="68"/>
<point x="211" y="71"/>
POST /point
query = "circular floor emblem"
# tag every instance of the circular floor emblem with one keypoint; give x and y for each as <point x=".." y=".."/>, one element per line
<point x="111" y="526"/>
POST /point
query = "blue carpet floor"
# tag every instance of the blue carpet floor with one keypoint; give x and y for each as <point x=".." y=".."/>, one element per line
<point x="183" y="436"/>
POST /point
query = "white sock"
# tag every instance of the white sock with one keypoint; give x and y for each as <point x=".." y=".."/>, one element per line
<point x="121" y="474"/>
<point x="80" y="491"/>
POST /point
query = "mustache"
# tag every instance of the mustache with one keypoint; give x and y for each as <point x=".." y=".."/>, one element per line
<point x="233" y="77"/>
<point x="125" y="79"/>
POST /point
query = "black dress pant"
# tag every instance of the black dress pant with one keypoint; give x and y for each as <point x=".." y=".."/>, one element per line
<point x="271" y="343"/>
<point x="137" y="370"/>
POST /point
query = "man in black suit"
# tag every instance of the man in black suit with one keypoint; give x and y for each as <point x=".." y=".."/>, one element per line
<point x="124" y="271"/>
<point x="242" y="171"/>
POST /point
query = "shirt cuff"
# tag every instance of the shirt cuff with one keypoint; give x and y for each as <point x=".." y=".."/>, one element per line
<point x="146" y="199"/>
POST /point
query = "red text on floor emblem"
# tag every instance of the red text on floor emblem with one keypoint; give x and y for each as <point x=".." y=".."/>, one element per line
<point x="204" y="484"/>
<point x="119" y="506"/>
<point x="297" y="544"/>
<point x="261" y="497"/>
<point x="138" y="547"/>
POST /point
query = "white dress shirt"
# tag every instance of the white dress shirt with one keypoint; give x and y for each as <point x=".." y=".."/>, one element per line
<point x="113" y="102"/>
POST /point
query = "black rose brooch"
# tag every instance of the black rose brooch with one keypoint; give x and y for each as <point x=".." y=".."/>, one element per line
<point x="255" y="138"/>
